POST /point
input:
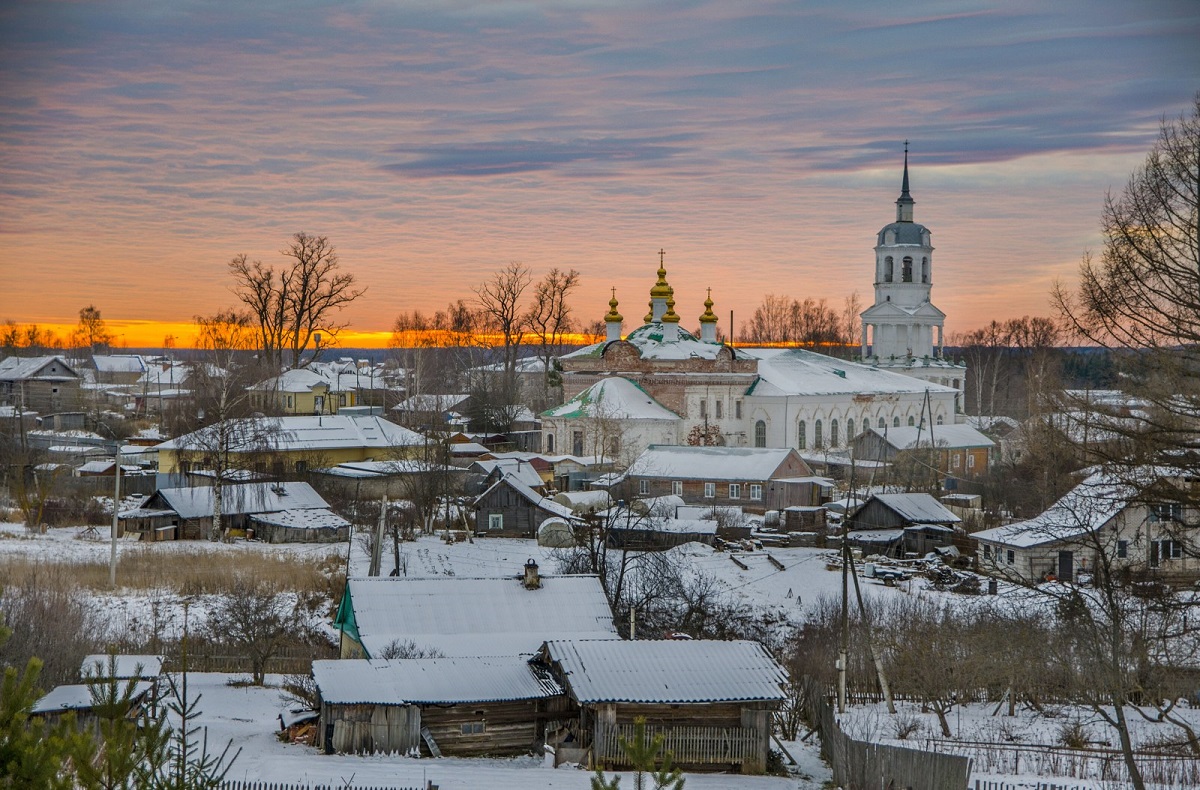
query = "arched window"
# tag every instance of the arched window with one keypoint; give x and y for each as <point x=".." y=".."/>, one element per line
<point x="939" y="419"/>
<point x="818" y="440"/>
<point x="924" y="270"/>
<point x="882" y="424"/>
<point x="895" y="422"/>
<point x="849" y="430"/>
<point x="801" y="435"/>
<point x="760" y="434"/>
<point x="887" y="269"/>
<point x="906" y="270"/>
<point x="550" y="443"/>
<point x="833" y="433"/>
<point x="911" y="421"/>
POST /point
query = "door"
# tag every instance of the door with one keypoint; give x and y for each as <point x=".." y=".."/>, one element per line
<point x="1066" y="566"/>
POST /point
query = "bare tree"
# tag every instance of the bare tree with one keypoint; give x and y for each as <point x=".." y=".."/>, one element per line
<point x="91" y="334"/>
<point x="549" y="319"/>
<point x="500" y="299"/>
<point x="294" y="303"/>
<point x="256" y="619"/>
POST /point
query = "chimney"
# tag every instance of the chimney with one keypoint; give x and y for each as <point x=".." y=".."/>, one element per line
<point x="532" y="580"/>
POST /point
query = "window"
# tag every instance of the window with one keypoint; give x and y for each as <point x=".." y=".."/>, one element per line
<point x="710" y="490"/>
<point x="895" y="422"/>
<point x="1171" y="550"/>
<point x="1122" y="549"/>
<point x="849" y="430"/>
<point x="970" y="460"/>
<point x="957" y="460"/>
<point x="495" y="521"/>
<point x="818" y="439"/>
<point x="987" y="552"/>
<point x="1012" y="557"/>
<point x="704" y="409"/>
<point x="924" y="270"/>
<point x="760" y="434"/>
<point x="1169" y="511"/>
<point x="735" y="490"/>
<point x="472" y="728"/>
<point x="289" y="401"/>
<point x="939" y="419"/>
<point x="577" y="442"/>
<point x="643" y="486"/>
<point x="549" y="442"/>
<point x="342" y="399"/>
<point x="883" y="424"/>
<point x="801" y="435"/>
<point x="833" y="433"/>
<point x="301" y="467"/>
<point x="906" y="270"/>
<point x="756" y="492"/>
<point x="887" y="269"/>
<point x="911" y="421"/>
<point x="737" y="409"/>
<point x="719" y="408"/>
<point x="677" y="487"/>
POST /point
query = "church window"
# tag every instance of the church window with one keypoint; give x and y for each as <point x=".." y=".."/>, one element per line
<point x="887" y="269"/>
<point x="924" y="270"/>
<point x="737" y="409"/>
<point x="882" y="424"/>
<point x="849" y="429"/>
<point x="760" y="434"/>
<point x="833" y="433"/>
<point x="549" y="442"/>
<point x="577" y="442"/>
<point x="906" y="270"/>
<point x="704" y="409"/>
<point x="939" y="419"/>
<point x="818" y="439"/>
<point x="802" y="435"/>
<point x="719" y="408"/>
<point x="911" y="421"/>
<point x="895" y="422"/>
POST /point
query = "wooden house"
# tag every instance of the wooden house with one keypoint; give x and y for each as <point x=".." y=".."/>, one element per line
<point x="458" y="616"/>
<point x="900" y="525"/>
<point x="957" y="451"/>
<point x="712" y="701"/>
<point x="452" y="707"/>
<point x="511" y="509"/>
<point x="41" y="384"/>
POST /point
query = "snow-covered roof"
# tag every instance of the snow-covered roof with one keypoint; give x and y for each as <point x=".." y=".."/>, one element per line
<point x="918" y="508"/>
<point x="674" y="526"/>
<point x="531" y="496"/>
<point x="165" y="375"/>
<point x="1084" y="509"/>
<point x="584" y="500"/>
<point x="992" y="422"/>
<point x="308" y="518"/>
<point x="104" y="467"/>
<point x="366" y="469"/>
<point x="21" y="368"/>
<point x="430" y="402"/>
<point x="796" y="371"/>
<point x="667" y="671"/>
<point x="648" y="338"/>
<point x="197" y="501"/>
<point x="124" y="666"/>
<point x="78" y="697"/>
<point x="294" y="380"/>
<point x="432" y="680"/>
<point x="613" y="398"/>
<point x="957" y="435"/>
<point x="519" y="470"/>
<point x="467" y="448"/>
<point x="284" y="434"/>
<point x="118" y="363"/>
<point x="682" y="462"/>
<point x="478" y="617"/>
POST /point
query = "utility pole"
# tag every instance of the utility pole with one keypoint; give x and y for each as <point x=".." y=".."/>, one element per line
<point x="112" y="552"/>
<point x="377" y="544"/>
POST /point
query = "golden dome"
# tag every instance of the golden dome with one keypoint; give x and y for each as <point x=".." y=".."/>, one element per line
<point x="650" y="315"/>
<point x="613" y="316"/>
<point x="661" y="289"/>
<point x="709" y="316"/>
<point x="670" y="317"/>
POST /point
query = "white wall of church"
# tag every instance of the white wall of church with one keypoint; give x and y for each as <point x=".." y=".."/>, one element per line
<point x="813" y="422"/>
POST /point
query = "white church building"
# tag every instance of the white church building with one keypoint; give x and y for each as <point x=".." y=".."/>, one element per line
<point x="688" y="389"/>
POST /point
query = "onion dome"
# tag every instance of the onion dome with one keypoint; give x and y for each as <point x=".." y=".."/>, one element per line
<point x="613" y="315"/>
<point x="709" y="316"/>
<point x="671" y="317"/>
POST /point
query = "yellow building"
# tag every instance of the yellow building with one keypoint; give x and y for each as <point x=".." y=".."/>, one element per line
<point x="301" y="391"/>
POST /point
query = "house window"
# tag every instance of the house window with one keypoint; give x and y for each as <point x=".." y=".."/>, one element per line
<point x="342" y="399"/>
<point x="1171" y="550"/>
<point x="704" y="409"/>
<point x="737" y="409"/>
<point x="289" y="401"/>
<point x="833" y="433"/>
<point x="801" y="435"/>
<point x="643" y="487"/>
<point x="577" y="442"/>
<point x="760" y="434"/>
<point x="924" y="270"/>
<point x="472" y="728"/>
<point x="1171" y="511"/>
<point x="756" y="492"/>
<point x="957" y="460"/>
<point x="888" y="263"/>
<point x="720" y="408"/>
<point x="1012" y="557"/>
<point x="495" y="521"/>
<point x="939" y="419"/>
<point x="970" y="460"/>
<point x="710" y="490"/>
<point x="1122" y="549"/>
<point x="818" y="439"/>
<point x="735" y="490"/>
<point x="677" y="487"/>
<point x="301" y="467"/>
<point x="549" y="442"/>
<point x="987" y="552"/>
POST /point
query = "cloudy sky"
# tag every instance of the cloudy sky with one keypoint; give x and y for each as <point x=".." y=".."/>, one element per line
<point x="143" y="143"/>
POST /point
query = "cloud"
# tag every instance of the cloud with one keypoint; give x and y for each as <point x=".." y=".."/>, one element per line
<point x="527" y="156"/>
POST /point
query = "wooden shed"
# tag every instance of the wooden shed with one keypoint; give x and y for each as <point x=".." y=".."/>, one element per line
<point x="463" y="707"/>
<point x="510" y="508"/>
<point x="711" y="700"/>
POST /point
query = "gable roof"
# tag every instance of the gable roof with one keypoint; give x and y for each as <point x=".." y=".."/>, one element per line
<point x="796" y="371"/>
<point x="916" y="508"/>
<point x="236" y="499"/>
<point x="326" y="432"/>
<point x="959" y="435"/>
<point x="475" y="617"/>
<point x="294" y="380"/>
<point x="1082" y="510"/>
<point x="23" y="368"/>
<point x="435" y="681"/>
<point x="118" y="363"/>
<point x="79" y="697"/>
<point x="710" y="463"/>
<point x="616" y="398"/>
<point x="668" y="671"/>
<point x="531" y="496"/>
<point x="432" y="403"/>
<point x="510" y="467"/>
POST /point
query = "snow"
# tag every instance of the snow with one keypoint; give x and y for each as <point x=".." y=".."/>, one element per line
<point x="679" y="462"/>
<point x="798" y="372"/>
<point x="613" y="398"/>
<point x="434" y="681"/>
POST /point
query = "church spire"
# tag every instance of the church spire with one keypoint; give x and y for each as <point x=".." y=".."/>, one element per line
<point x="904" y="204"/>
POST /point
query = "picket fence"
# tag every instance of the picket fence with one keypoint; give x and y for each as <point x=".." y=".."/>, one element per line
<point x="256" y="785"/>
<point x="981" y="784"/>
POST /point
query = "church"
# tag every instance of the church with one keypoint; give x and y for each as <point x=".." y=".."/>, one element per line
<point x="661" y="384"/>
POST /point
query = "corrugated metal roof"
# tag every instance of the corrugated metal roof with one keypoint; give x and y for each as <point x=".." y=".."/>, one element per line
<point x="479" y="617"/>
<point x="918" y="508"/>
<point x="432" y="680"/>
<point x="668" y="671"/>
<point x="315" y="518"/>
<point x="197" y="502"/>
<point x="125" y="666"/>
<point x="19" y="368"/>
<point x="326" y="432"/>
<point x="77" y="697"/>
<point x="679" y="462"/>
<point x="951" y="436"/>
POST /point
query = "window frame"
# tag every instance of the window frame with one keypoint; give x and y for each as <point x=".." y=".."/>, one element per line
<point x="735" y="490"/>
<point x="756" y="492"/>
<point x="710" y="490"/>
<point x="495" y="522"/>
<point x="643" y="486"/>
<point x="677" y="487"/>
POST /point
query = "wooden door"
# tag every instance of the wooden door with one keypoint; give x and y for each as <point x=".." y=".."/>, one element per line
<point x="1066" y="566"/>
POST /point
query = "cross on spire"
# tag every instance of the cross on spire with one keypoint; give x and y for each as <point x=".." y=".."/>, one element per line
<point x="661" y="254"/>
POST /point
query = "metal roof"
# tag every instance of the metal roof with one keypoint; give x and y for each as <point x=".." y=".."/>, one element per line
<point x="21" y="368"/>
<point x="432" y="680"/>
<point x="314" y="518"/>
<point x="325" y="432"/>
<point x="681" y="462"/>
<point x="197" y="502"/>
<point x="917" y="508"/>
<point x="668" y="671"/>
<point x="78" y="697"/>
<point x="478" y="617"/>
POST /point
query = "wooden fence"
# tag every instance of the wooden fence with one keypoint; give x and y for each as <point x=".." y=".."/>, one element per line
<point x="256" y="785"/>
<point x="860" y="765"/>
<point x="688" y="745"/>
<point x="981" y="784"/>
<point x="222" y="658"/>
<point x="1106" y="765"/>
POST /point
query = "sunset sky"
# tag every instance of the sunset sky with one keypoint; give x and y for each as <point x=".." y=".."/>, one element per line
<point x="145" y="143"/>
